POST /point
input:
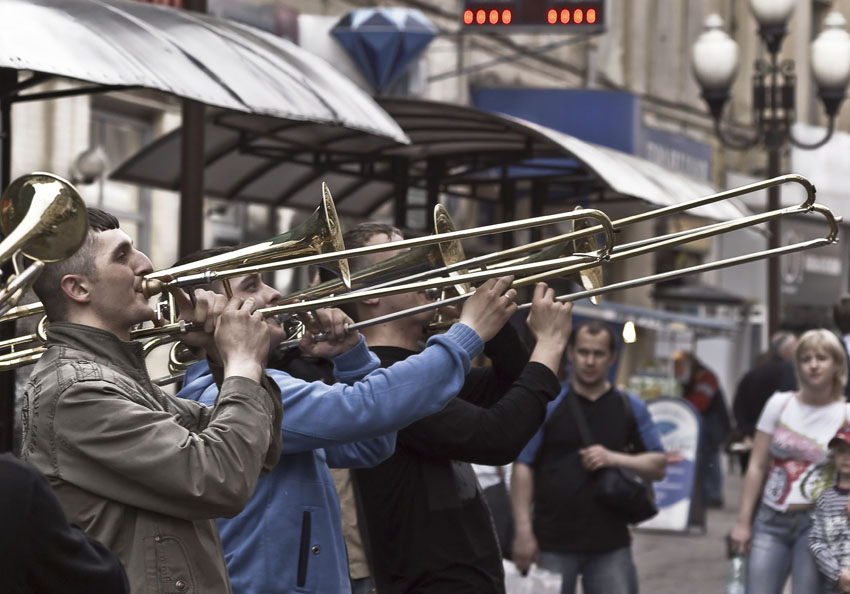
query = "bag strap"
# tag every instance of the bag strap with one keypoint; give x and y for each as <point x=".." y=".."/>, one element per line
<point x="631" y="422"/>
<point x="578" y="415"/>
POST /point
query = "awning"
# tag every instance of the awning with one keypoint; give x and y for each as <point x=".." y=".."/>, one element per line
<point x="457" y="148"/>
<point x="121" y="43"/>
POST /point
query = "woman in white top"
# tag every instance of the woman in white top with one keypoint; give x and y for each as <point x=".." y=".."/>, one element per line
<point x="789" y="468"/>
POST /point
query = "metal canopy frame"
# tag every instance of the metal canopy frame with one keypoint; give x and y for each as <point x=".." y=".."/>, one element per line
<point x="454" y="151"/>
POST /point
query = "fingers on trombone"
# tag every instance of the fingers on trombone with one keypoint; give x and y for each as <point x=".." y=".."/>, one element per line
<point x="209" y="307"/>
<point x="503" y="283"/>
<point x="183" y="302"/>
<point x="542" y="293"/>
<point x="333" y="323"/>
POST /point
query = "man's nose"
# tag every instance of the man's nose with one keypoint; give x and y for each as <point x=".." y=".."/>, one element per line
<point x="144" y="264"/>
<point x="271" y="295"/>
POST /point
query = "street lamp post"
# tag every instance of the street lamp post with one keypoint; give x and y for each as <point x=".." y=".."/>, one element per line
<point x="714" y="57"/>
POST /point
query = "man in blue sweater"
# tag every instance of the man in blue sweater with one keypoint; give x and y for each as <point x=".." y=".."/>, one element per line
<point x="289" y="538"/>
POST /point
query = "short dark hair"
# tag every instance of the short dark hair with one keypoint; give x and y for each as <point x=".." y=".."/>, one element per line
<point x="357" y="237"/>
<point x="46" y="286"/>
<point x="594" y="327"/>
<point x="778" y="342"/>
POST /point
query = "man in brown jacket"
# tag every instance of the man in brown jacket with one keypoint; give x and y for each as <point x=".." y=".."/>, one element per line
<point x="143" y="472"/>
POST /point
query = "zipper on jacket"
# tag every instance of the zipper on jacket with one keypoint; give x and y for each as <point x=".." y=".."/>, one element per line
<point x="304" y="554"/>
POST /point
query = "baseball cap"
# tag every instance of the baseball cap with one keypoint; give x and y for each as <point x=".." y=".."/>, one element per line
<point x="842" y="435"/>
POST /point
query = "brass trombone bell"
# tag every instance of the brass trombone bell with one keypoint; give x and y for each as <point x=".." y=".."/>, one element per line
<point x="589" y="278"/>
<point x="43" y="218"/>
<point x="318" y="235"/>
<point x="426" y="257"/>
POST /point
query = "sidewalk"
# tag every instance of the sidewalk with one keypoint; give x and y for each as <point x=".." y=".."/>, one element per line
<point x="693" y="562"/>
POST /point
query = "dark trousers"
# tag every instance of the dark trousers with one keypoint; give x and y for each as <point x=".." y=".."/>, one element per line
<point x="499" y="503"/>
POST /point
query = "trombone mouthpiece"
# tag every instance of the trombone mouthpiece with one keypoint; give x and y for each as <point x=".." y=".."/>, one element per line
<point x="151" y="287"/>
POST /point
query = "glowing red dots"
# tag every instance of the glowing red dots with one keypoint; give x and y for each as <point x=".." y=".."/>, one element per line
<point x="552" y="16"/>
<point x="507" y="16"/>
<point x="468" y="17"/>
<point x="481" y="17"/>
<point x="590" y="17"/>
<point x="565" y="16"/>
<point x="578" y="16"/>
<point x="494" y="17"/>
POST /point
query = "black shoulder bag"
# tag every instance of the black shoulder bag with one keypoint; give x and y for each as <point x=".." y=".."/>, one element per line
<point x="619" y="489"/>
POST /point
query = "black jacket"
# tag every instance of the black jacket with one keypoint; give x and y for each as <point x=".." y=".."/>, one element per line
<point x="40" y="552"/>
<point x="754" y="389"/>
<point x="427" y="522"/>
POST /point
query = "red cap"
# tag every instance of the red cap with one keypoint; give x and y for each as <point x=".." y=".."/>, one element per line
<point x="842" y="435"/>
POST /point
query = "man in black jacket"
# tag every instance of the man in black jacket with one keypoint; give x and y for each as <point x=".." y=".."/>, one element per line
<point x="427" y="523"/>
<point x="42" y="551"/>
<point x="775" y="374"/>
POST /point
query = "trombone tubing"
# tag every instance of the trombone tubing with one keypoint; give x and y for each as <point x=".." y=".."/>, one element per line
<point x="624" y="222"/>
<point x="548" y="266"/>
<point x="540" y="221"/>
<point x="605" y="226"/>
<point x="638" y="282"/>
<point x="645" y="246"/>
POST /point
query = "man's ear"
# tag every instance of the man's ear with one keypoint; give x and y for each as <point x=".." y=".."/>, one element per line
<point x="372" y="301"/>
<point x="76" y="288"/>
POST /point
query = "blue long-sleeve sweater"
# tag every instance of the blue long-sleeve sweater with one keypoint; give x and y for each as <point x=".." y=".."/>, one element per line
<point x="289" y="537"/>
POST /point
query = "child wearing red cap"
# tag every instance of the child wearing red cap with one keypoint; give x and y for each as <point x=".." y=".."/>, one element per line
<point x="829" y="539"/>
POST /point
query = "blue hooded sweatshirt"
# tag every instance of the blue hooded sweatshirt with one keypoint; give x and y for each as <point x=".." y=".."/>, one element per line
<point x="289" y="536"/>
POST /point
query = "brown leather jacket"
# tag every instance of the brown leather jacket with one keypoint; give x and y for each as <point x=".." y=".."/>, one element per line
<point x="144" y="472"/>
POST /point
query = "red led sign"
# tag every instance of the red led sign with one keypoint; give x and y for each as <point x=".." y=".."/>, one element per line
<point x="533" y="15"/>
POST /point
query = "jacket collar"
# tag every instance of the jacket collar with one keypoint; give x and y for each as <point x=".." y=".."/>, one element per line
<point x="103" y="346"/>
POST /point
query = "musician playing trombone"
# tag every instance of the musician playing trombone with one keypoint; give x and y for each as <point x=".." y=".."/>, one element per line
<point x="289" y="536"/>
<point x="427" y="523"/>
<point x="143" y="472"/>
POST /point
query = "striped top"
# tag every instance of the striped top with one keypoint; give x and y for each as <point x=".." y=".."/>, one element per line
<point x="829" y="538"/>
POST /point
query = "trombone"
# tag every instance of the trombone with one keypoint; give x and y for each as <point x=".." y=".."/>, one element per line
<point x="424" y="258"/>
<point x="554" y="267"/>
<point x="156" y="282"/>
<point x="626" y="251"/>
<point x="319" y="235"/>
<point x="43" y="218"/>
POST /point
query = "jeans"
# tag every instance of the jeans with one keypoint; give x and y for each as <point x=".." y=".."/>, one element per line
<point x="780" y="546"/>
<point x="612" y="572"/>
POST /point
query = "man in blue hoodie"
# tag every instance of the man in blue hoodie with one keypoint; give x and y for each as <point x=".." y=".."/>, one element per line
<point x="289" y="537"/>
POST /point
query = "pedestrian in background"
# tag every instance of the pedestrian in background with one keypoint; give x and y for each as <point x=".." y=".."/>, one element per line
<point x="789" y="468"/>
<point x="701" y="388"/>
<point x="558" y="521"/>
<point x="774" y="374"/>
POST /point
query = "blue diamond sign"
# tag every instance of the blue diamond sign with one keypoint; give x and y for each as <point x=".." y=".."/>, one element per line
<point x="383" y="41"/>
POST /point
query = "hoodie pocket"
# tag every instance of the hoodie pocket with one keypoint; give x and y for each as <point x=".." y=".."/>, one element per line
<point x="304" y="548"/>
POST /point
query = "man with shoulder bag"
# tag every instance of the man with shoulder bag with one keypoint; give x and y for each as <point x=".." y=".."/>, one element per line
<point x="582" y="472"/>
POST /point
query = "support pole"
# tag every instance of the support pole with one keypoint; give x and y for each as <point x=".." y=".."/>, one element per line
<point x="8" y="392"/>
<point x="192" y="167"/>
<point x="774" y="279"/>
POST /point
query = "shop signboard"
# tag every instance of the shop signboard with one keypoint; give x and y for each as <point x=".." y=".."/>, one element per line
<point x="679" y="425"/>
